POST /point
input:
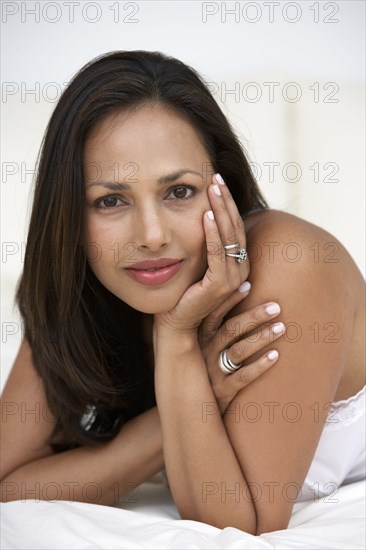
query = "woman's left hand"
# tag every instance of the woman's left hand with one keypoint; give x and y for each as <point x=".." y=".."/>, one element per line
<point x="225" y="235"/>
<point x="214" y="337"/>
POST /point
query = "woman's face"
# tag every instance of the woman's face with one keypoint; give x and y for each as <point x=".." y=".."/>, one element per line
<point x="146" y="179"/>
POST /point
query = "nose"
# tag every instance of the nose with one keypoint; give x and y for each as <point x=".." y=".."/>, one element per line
<point x="152" y="229"/>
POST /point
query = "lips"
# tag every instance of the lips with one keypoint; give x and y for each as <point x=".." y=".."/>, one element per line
<point x="151" y="274"/>
<point x="153" y="264"/>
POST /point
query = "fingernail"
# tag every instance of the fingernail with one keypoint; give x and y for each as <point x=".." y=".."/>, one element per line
<point x="244" y="287"/>
<point x="272" y="308"/>
<point x="216" y="190"/>
<point x="278" y="328"/>
<point x="219" y="179"/>
<point x="210" y="215"/>
<point x="270" y="356"/>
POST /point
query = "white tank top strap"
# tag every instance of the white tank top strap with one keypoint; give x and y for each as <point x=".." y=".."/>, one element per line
<point x="345" y="412"/>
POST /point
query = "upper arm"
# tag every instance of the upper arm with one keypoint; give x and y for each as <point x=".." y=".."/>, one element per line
<point x="276" y="433"/>
<point x="26" y="419"/>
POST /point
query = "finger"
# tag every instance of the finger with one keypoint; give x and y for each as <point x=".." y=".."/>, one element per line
<point x="213" y="321"/>
<point x="216" y="272"/>
<point x="245" y="348"/>
<point x="227" y="230"/>
<point x="245" y="375"/>
<point x="232" y="209"/>
<point x="238" y="224"/>
<point x="242" y="324"/>
<point x="231" y="275"/>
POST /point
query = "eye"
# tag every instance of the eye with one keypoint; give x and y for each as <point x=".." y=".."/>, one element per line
<point x="107" y="203"/>
<point x="181" y="192"/>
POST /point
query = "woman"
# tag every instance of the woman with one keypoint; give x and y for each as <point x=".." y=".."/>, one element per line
<point x="132" y="295"/>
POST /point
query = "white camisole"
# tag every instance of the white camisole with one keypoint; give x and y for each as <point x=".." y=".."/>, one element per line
<point x="340" y="457"/>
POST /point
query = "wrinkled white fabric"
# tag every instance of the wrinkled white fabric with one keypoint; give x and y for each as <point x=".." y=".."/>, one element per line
<point x="148" y="517"/>
<point x="152" y="522"/>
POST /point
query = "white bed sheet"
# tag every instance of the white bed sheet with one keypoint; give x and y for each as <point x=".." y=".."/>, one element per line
<point x="152" y="521"/>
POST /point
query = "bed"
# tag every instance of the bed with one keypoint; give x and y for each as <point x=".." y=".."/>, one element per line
<point x="148" y="518"/>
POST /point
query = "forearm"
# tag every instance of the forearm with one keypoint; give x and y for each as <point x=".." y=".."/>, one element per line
<point x="100" y="475"/>
<point x="204" y="474"/>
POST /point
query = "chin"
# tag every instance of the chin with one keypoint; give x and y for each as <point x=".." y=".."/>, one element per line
<point x="155" y="308"/>
<point x="154" y="304"/>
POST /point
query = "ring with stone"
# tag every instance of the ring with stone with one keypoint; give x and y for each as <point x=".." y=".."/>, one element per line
<point x="240" y="256"/>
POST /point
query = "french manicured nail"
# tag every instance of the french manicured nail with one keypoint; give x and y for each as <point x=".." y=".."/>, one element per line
<point x="210" y="215"/>
<point x="219" y="179"/>
<point x="272" y="355"/>
<point x="272" y="308"/>
<point x="278" y="328"/>
<point x="216" y="190"/>
<point x="245" y="287"/>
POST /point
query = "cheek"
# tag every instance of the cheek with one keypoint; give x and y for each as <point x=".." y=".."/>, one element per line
<point x="193" y="231"/>
<point x="99" y="230"/>
<point x="99" y="243"/>
<point x="196" y="222"/>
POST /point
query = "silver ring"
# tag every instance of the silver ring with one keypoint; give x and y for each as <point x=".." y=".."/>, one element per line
<point x="226" y="365"/>
<point x="229" y="246"/>
<point x="240" y="256"/>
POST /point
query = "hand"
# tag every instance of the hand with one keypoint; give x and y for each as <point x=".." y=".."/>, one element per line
<point x="215" y="337"/>
<point x="224" y="274"/>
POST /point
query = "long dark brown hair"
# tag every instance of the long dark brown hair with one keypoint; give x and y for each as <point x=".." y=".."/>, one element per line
<point x="87" y="344"/>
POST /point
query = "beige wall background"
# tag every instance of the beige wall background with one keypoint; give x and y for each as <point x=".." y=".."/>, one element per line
<point x="289" y="76"/>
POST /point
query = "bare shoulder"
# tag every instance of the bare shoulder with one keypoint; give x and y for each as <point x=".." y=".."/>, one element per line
<point x="291" y="246"/>
<point x="286" y="225"/>
<point x="318" y="285"/>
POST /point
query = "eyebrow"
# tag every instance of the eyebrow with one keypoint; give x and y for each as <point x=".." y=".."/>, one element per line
<point x="169" y="178"/>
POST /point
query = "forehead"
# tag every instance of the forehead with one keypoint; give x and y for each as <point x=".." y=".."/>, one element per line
<point x="150" y="133"/>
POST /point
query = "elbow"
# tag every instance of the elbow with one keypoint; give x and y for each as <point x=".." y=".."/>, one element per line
<point x="248" y="525"/>
<point x="245" y="526"/>
<point x="268" y="525"/>
<point x="8" y="491"/>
